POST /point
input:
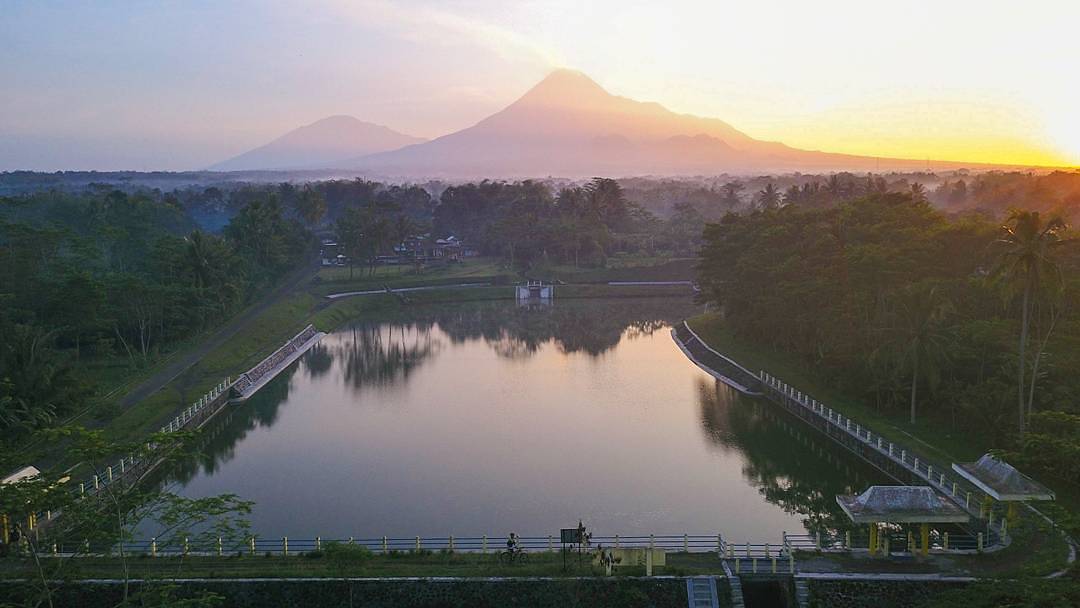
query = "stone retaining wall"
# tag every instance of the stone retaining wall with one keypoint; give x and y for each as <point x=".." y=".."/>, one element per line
<point x="876" y="593"/>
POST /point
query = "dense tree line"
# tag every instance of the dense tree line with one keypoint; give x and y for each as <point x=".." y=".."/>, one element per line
<point x="528" y="224"/>
<point x="960" y="319"/>
<point x="107" y="274"/>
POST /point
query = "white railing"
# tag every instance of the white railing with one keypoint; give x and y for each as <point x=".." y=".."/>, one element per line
<point x="957" y="490"/>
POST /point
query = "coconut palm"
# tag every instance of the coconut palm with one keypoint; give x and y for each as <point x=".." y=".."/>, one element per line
<point x="769" y="197"/>
<point x="918" y="192"/>
<point x="918" y="339"/>
<point x="1027" y="266"/>
<point x="310" y="206"/>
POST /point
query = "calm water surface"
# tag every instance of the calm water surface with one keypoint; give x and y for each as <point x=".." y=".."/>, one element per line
<point x="484" y="418"/>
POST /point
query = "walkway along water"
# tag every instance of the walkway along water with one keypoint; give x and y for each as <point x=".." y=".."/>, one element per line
<point x="896" y="461"/>
<point x="131" y="469"/>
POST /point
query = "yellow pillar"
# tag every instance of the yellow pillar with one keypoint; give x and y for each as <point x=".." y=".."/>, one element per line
<point x="873" y="540"/>
<point x="1012" y="512"/>
<point x="925" y="531"/>
<point x="4" y="528"/>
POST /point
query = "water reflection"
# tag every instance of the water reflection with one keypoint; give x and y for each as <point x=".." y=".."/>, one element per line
<point x="218" y="440"/>
<point x="383" y="354"/>
<point x="491" y="417"/>
<point x="792" y="465"/>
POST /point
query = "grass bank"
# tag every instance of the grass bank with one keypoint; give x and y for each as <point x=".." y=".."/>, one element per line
<point x="941" y="446"/>
<point x="323" y="564"/>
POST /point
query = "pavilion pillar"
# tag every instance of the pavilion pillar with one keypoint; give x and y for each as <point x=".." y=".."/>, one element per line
<point x="1011" y="514"/>
<point x="925" y="532"/>
<point x="873" y="539"/>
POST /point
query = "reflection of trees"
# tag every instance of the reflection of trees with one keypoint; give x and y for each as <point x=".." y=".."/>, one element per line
<point x="589" y="326"/>
<point x="318" y="360"/>
<point x="219" y="438"/>
<point x="384" y="354"/>
<point x="791" y="464"/>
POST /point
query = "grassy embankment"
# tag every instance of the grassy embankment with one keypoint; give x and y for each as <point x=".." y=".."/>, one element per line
<point x="399" y="564"/>
<point x="1035" y="549"/>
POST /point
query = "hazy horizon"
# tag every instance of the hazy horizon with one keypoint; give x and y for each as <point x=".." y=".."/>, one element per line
<point x="186" y="86"/>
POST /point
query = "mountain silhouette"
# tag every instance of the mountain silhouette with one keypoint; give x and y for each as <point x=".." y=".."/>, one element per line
<point x="568" y="125"/>
<point x="322" y="144"/>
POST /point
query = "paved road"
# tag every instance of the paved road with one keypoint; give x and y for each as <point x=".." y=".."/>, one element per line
<point x="184" y="362"/>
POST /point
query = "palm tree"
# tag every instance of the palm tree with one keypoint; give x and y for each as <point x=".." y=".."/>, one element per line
<point x="1027" y="265"/>
<point x="769" y="197"/>
<point x="918" y="192"/>
<point x="310" y="206"/>
<point x="917" y="343"/>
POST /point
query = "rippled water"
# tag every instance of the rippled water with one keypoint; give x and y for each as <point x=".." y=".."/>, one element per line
<point x="484" y="418"/>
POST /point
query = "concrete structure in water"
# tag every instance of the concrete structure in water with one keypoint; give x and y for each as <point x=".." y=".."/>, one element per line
<point x="900" y="504"/>
<point x="535" y="290"/>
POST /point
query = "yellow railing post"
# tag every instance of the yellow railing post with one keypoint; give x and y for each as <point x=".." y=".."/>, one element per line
<point x="285" y="546"/>
<point x="153" y="547"/>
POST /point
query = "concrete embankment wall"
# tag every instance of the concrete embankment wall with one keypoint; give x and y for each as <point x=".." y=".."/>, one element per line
<point x="859" y="593"/>
<point x="417" y="593"/>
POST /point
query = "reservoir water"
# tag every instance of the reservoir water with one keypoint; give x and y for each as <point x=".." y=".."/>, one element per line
<point x="485" y="418"/>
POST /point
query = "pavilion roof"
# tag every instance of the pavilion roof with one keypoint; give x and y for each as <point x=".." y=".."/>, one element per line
<point x="900" y="504"/>
<point x="1001" y="480"/>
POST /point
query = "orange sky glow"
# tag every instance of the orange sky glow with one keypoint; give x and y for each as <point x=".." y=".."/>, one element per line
<point x="181" y="85"/>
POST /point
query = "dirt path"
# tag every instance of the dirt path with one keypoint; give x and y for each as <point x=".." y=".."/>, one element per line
<point x="184" y="362"/>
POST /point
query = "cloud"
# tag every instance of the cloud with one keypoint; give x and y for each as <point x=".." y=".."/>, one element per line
<point x="416" y="21"/>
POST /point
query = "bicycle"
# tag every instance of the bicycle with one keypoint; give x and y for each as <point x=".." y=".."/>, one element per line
<point x="510" y="557"/>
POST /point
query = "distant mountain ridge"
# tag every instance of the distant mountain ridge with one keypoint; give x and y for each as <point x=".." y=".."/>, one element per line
<point x="567" y="125"/>
<point x="320" y="144"/>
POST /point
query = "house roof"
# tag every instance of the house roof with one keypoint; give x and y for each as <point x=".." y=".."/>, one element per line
<point x="900" y="504"/>
<point x="1001" y="480"/>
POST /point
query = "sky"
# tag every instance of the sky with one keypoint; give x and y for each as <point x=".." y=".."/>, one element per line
<point x="177" y="85"/>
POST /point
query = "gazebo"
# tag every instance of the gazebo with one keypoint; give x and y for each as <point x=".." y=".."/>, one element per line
<point x="1002" y="482"/>
<point x="898" y="505"/>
